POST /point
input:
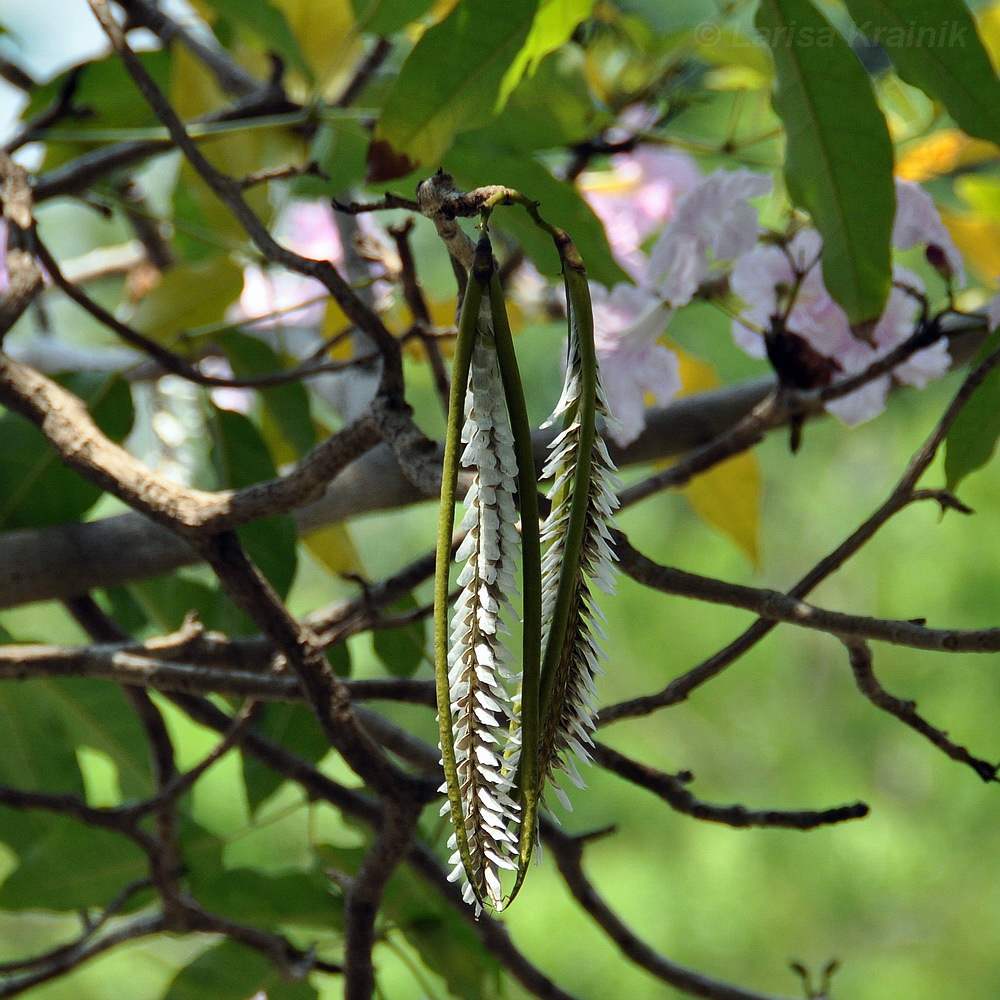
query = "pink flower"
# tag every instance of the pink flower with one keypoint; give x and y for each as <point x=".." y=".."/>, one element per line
<point x="762" y="279"/>
<point x="627" y="323"/>
<point x="712" y="222"/>
<point x="637" y="196"/>
<point x="278" y="297"/>
<point x="918" y="223"/>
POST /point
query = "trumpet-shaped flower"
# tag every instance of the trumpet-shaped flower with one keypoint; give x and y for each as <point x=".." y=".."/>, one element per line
<point x="918" y="223"/>
<point x="637" y="196"/>
<point x="764" y="277"/>
<point x="713" y="222"/>
<point x="627" y="323"/>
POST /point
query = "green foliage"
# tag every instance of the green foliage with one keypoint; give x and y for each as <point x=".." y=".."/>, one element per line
<point x="269" y="25"/>
<point x="287" y="404"/>
<point x="449" y="83"/>
<point x="386" y="17"/>
<point x="934" y="46"/>
<point x="295" y="728"/>
<point x="228" y="971"/>
<point x="402" y="649"/>
<point x="241" y="458"/>
<point x="973" y="436"/>
<point x="50" y="875"/>
<point x="838" y="163"/>
<point x="514" y="93"/>
<point x="35" y="487"/>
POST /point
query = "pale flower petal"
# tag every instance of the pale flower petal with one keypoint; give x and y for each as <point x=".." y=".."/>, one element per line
<point x="627" y="323"/>
<point x="918" y="223"/>
<point x="637" y="196"/>
<point x="713" y="222"/>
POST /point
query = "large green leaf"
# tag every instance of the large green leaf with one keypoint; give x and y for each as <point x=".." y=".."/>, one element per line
<point x="272" y="899"/>
<point x="386" y="17"/>
<point x="838" y="164"/>
<point x="401" y="649"/>
<point x="339" y="149"/>
<point x="448" y="84"/>
<point x="439" y="935"/>
<point x="973" y="436"/>
<point x="934" y="46"/>
<point x="231" y="972"/>
<point x="188" y="296"/>
<point x="269" y="25"/>
<point x="443" y="940"/>
<point x="287" y="403"/>
<point x="295" y="728"/>
<point x="551" y="108"/>
<point x="105" y="95"/>
<point x="71" y="867"/>
<point x="555" y="21"/>
<point x="35" y="487"/>
<point x="39" y="752"/>
<point x="561" y="205"/>
<point x="241" y="458"/>
<point x="97" y="715"/>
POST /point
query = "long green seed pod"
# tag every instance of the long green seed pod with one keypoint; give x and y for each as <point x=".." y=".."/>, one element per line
<point x="465" y="345"/>
<point x="527" y="725"/>
<point x="576" y="534"/>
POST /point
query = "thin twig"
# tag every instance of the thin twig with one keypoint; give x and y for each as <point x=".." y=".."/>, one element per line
<point x="906" y="711"/>
<point x="673" y="790"/>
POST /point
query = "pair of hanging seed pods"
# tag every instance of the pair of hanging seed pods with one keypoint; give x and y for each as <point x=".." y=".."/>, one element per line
<point x="506" y="723"/>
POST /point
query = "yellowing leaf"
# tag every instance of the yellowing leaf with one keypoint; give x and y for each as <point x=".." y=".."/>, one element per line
<point x="942" y="152"/>
<point x="327" y="35"/>
<point x="979" y="241"/>
<point x="988" y="22"/>
<point x="189" y="296"/>
<point x="333" y="548"/>
<point x="726" y="497"/>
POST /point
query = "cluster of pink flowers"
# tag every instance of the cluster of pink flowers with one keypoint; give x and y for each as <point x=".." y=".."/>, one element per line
<point x="709" y="222"/>
<point x="758" y="276"/>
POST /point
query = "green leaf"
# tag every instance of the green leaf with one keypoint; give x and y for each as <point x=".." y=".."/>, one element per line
<point x="443" y="940"/>
<point x="401" y="649"/>
<point x="838" y="163"/>
<point x="35" y="487"/>
<point x="97" y="716"/>
<point x="188" y="296"/>
<point x="448" y="84"/>
<point x="231" y="972"/>
<point x="935" y="46"/>
<point x="272" y="899"/>
<point x="288" y="403"/>
<point x="552" y="108"/>
<point x="339" y="149"/>
<point x="386" y="17"/>
<point x="561" y="205"/>
<point x="295" y="728"/>
<point x="973" y="437"/>
<point x="50" y="874"/>
<point x="167" y="599"/>
<point x="105" y="93"/>
<point x="241" y="458"/>
<point x="555" y="21"/>
<point x="39" y="752"/>
<point x="269" y="25"/>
